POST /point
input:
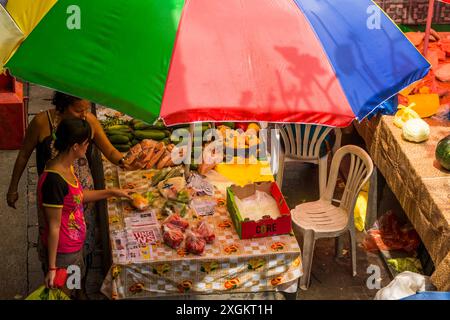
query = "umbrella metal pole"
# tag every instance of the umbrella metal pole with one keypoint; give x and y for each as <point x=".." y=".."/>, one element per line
<point x="428" y="27"/>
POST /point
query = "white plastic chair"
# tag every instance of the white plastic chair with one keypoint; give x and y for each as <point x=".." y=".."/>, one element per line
<point x="301" y="147"/>
<point x="322" y="219"/>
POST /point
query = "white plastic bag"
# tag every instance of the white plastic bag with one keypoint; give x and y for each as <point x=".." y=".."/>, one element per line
<point x="405" y="284"/>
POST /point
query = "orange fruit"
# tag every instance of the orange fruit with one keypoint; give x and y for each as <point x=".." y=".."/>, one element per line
<point x="253" y="126"/>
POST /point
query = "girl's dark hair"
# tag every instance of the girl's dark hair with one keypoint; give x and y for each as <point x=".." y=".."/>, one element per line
<point x="61" y="101"/>
<point x="70" y="132"/>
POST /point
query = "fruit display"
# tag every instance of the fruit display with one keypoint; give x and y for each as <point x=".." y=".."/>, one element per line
<point x="150" y="145"/>
<point x="242" y="143"/>
<point x="240" y="139"/>
<point x="125" y="134"/>
<point x="443" y="152"/>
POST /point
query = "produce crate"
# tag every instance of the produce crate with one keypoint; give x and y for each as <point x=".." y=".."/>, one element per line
<point x="264" y="227"/>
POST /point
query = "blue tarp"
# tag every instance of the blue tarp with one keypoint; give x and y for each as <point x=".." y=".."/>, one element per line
<point x="429" y="295"/>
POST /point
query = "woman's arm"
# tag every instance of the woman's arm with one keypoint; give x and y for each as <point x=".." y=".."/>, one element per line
<point x="30" y="141"/>
<point x="95" y="195"/>
<point x="54" y="222"/>
<point x="102" y="141"/>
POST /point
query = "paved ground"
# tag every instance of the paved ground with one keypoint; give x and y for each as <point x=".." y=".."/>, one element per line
<point x="13" y="230"/>
<point x="21" y="273"/>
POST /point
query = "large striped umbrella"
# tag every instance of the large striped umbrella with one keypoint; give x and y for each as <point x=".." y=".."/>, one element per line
<point x="323" y="62"/>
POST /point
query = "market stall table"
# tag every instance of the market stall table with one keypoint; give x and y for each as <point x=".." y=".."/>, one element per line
<point x="421" y="186"/>
<point x="229" y="265"/>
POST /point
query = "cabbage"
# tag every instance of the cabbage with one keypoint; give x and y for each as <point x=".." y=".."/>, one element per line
<point x="416" y="130"/>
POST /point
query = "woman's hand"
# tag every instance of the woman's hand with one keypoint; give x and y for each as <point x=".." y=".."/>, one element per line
<point x="11" y="199"/>
<point x="122" y="193"/>
<point x="49" y="279"/>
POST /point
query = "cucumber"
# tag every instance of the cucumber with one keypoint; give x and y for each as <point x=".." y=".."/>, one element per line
<point x="130" y="136"/>
<point x="141" y="126"/>
<point x="120" y="133"/>
<point x="134" y="121"/>
<point x="110" y="132"/>
<point x="159" y="124"/>
<point x="166" y="141"/>
<point x="134" y="142"/>
<point x="119" y="139"/>
<point x="150" y="134"/>
<point x="119" y="127"/>
<point x="122" y="147"/>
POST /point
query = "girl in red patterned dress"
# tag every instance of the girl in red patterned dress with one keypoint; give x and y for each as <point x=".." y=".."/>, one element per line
<point x="61" y="197"/>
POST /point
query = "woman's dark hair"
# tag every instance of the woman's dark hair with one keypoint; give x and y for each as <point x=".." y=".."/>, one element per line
<point x="61" y="101"/>
<point x="70" y="132"/>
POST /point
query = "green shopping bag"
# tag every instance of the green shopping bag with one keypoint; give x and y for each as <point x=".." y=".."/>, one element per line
<point x="44" y="293"/>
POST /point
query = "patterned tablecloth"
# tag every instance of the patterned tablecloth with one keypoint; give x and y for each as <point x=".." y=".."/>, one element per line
<point x="228" y="265"/>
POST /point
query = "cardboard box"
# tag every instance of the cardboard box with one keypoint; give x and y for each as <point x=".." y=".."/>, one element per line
<point x="265" y="227"/>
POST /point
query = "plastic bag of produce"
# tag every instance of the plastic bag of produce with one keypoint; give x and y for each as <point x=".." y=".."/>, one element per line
<point x="205" y="230"/>
<point x="177" y="221"/>
<point x="361" y="210"/>
<point x="172" y="235"/>
<point x="43" y="293"/>
<point x="194" y="242"/>
<point x="388" y="234"/>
